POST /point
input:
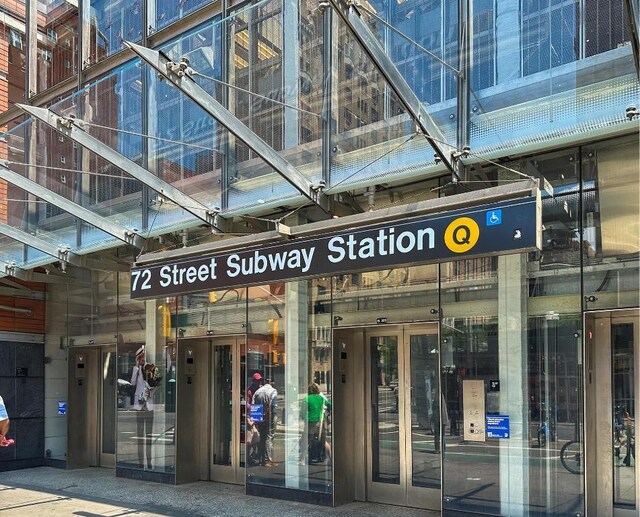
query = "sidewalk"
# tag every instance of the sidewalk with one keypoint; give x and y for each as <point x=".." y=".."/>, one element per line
<point x="97" y="492"/>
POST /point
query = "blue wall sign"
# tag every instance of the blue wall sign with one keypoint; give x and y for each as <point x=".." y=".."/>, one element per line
<point x="62" y="407"/>
<point x="256" y="412"/>
<point x="497" y="426"/>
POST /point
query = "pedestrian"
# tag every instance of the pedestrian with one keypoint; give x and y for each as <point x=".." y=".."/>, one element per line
<point x="145" y="379"/>
<point x="313" y="412"/>
<point x="267" y="396"/>
<point x="4" y="426"/>
<point x="252" y="437"/>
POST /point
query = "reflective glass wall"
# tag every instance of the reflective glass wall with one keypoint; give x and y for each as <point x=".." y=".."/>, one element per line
<point x="58" y="43"/>
<point x="146" y="368"/>
<point x="289" y="345"/>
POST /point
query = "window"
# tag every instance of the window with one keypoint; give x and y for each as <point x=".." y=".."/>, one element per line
<point x="15" y="39"/>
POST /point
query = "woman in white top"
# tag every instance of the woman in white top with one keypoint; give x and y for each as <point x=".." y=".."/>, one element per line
<point x="143" y="405"/>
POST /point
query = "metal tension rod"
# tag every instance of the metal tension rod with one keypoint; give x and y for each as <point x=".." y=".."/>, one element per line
<point x="82" y="213"/>
<point x="179" y="74"/>
<point x="61" y="252"/>
<point x="73" y="128"/>
<point x="385" y="66"/>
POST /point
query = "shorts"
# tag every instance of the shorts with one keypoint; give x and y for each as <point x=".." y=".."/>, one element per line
<point x="3" y="411"/>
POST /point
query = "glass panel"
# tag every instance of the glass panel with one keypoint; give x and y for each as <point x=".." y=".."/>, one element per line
<point x="427" y="419"/>
<point x="561" y="68"/>
<point x="187" y="145"/>
<point x="374" y="136"/>
<point x="169" y="11"/>
<point x="289" y="345"/>
<point x="57" y="42"/>
<point x="110" y="109"/>
<point x="112" y="23"/>
<point x="385" y="425"/>
<point x="527" y="351"/>
<point x="623" y="387"/>
<point x="222" y="404"/>
<point x="108" y="402"/>
<point x="277" y="94"/>
<point x="399" y="294"/>
<point x="242" y="425"/>
<point x="611" y="234"/>
<point x="146" y="378"/>
<point x="222" y="312"/>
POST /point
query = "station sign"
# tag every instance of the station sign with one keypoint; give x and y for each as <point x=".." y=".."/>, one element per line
<point x="507" y="227"/>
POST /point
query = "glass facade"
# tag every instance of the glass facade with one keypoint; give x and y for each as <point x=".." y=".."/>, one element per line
<point x="350" y="130"/>
<point x="146" y="370"/>
<point x="550" y="84"/>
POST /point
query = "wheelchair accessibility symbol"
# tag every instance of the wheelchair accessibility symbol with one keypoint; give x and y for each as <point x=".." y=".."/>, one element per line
<point x="461" y="235"/>
<point x="494" y="217"/>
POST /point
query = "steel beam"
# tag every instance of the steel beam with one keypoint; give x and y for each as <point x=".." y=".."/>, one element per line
<point x="385" y="66"/>
<point x="465" y="64"/>
<point x="59" y="252"/>
<point x="179" y="74"/>
<point x="126" y="235"/>
<point x="73" y="128"/>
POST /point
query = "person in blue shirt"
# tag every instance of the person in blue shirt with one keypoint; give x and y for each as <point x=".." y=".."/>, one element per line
<point x="267" y="396"/>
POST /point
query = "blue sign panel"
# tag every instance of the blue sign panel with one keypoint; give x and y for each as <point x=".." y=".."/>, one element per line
<point x="62" y="407"/>
<point x="256" y="412"/>
<point x="497" y="426"/>
<point x="494" y="217"/>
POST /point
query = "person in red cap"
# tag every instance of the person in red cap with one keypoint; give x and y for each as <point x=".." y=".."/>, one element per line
<point x="252" y="436"/>
<point x="256" y="382"/>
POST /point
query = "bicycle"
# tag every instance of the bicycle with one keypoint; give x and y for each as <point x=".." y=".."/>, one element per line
<point x="572" y="457"/>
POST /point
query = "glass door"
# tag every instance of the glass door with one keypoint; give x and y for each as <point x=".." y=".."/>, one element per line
<point x="108" y="393"/>
<point x="405" y="417"/>
<point x="426" y="417"/>
<point x="613" y="386"/>
<point x="624" y="387"/>
<point x="227" y="388"/>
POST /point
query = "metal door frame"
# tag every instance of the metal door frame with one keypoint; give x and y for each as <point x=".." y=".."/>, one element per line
<point x="104" y="459"/>
<point x="421" y="496"/>
<point x="233" y="473"/>
<point x="598" y="401"/>
<point x="403" y="493"/>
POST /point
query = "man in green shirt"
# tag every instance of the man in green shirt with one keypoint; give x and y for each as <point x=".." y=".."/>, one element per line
<point x="314" y="436"/>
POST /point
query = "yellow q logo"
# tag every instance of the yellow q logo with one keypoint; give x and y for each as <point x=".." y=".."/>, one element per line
<point x="461" y="235"/>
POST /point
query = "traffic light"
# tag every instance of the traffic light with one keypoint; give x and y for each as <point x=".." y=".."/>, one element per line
<point x="165" y="320"/>
<point x="213" y="297"/>
<point x="274" y="357"/>
<point x="274" y="329"/>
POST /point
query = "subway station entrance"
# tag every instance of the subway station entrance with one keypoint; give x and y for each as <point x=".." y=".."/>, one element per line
<point x="395" y="457"/>
<point x="210" y="424"/>
<point x="92" y="400"/>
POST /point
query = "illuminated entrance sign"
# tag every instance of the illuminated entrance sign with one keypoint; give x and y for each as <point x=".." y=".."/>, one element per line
<point x="501" y="228"/>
